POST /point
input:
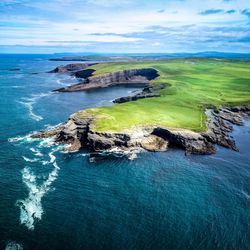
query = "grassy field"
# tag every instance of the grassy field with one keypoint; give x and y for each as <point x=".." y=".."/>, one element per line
<point x="195" y="84"/>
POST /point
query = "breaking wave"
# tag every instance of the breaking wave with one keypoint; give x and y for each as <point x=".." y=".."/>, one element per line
<point x="23" y="139"/>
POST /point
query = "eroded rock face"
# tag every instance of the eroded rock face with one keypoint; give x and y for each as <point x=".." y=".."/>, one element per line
<point x="191" y="142"/>
<point x="147" y="92"/>
<point x="135" y="76"/>
<point x="78" y="133"/>
<point x="154" y="143"/>
<point x="70" y="68"/>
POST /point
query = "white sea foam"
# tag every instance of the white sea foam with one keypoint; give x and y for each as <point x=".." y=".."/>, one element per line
<point x="45" y="163"/>
<point x="36" y="152"/>
<point x="46" y="143"/>
<point x="31" y="207"/>
<point x="29" y="102"/>
<point x="30" y="160"/>
<point x="29" y="106"/>
<point x="50" y="127"/>
<point x="13" y="246"/>
<point x="60" y="82"/>
<point x="23" y="139"/>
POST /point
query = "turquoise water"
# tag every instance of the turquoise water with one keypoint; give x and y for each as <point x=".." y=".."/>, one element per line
<point x="52" y="200"/>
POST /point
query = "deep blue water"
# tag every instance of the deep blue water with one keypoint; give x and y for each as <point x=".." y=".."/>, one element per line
<point x="52" y="200"/>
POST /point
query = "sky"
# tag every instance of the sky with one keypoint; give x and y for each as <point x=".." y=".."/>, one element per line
<point x="124" y="26"/>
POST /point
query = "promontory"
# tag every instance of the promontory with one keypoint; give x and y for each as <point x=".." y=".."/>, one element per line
<point x="190" y="103"/>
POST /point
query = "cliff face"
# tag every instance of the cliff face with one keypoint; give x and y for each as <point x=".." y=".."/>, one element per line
<point x="147" y="92"/>
<point x="79" y="133"/>
<point x="71" y="68"/>
<point x="135" y="76"/>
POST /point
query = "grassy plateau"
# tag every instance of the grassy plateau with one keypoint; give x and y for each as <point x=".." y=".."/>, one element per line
<point x="195" y="84"/>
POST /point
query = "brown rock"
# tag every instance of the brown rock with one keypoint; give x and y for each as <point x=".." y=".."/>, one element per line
<point x="154" y="143"/>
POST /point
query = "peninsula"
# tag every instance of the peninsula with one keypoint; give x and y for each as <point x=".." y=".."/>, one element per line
<point x="189" y="103"/>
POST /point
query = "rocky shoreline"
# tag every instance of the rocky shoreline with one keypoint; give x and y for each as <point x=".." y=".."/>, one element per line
<point x="78" y="133"/>
<point x="134" y="77"/>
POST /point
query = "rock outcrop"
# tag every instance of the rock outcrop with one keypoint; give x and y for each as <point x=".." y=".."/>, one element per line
<point x="78" y="133"/>
<point x="147" y="92"/>
<point x="71" y="68"/>
<point x="128" y="77"/>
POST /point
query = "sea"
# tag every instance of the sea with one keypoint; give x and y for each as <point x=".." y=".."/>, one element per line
<point x="50" y="199"/>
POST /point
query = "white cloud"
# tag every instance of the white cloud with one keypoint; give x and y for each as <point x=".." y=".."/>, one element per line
<point x="74" y="20"/>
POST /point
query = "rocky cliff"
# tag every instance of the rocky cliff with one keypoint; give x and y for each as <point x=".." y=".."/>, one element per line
<point x="133" y="77"/>
<point x="147" y="92"/>
<point x="79" y="133"/>
<point x="71" y="68"/>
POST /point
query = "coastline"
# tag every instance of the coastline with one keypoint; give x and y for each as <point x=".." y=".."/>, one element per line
<point x="79" y="131"/>
<point x="84" y="177"/>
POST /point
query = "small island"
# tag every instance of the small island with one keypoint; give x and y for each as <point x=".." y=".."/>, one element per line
<point x="190" y="103"/>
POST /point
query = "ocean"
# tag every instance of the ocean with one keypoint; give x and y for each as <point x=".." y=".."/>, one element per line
<point x="53" y="200"/>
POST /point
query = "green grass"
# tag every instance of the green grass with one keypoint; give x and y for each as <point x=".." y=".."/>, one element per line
<point x="195" y="84"/>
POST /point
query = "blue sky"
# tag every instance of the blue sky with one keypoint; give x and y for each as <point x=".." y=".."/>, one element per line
<point x="124" y="26"/>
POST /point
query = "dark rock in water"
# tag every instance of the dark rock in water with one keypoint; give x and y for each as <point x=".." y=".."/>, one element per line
<point x="69" y="68"/>
<point x="125" y="77"/>
<point x="15" y="69"/>
<point x="47" y="133"/>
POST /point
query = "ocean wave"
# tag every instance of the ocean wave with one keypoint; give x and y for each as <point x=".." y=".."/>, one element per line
<point x="23" y="139"/>
<point x="46" y="143"/>
<point x="60" y="82"/>
<point x="43" y="142"/>
<point x="29" y="102"/>
<point x="31" y="208"/>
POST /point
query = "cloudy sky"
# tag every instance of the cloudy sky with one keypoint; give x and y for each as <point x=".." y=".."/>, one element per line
<point x="120" y="26"/>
